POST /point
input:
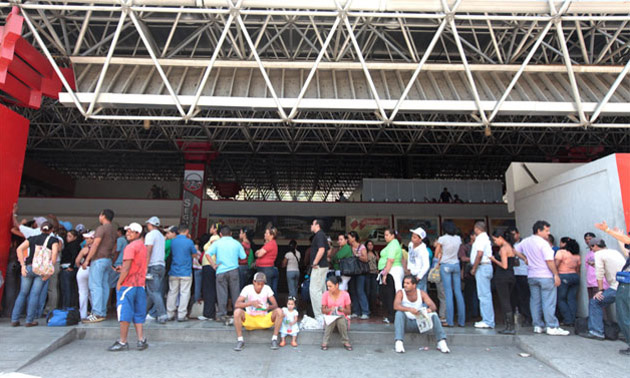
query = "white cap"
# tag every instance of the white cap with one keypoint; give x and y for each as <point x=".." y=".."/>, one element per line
<point x="39" y="220"/>
<point x="80" y="227"/>
<point x="89" y="234"/>
<point x="136" y="227"/>
<point x="420" y="232"/>
<point x="154" y="221"/>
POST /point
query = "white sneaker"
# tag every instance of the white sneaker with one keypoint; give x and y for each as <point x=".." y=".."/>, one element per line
<point x="354" y="316"/>
<point x="385" y="320"/>
<point x="442" y="347"/>
<point x="480" y="325"/>
<point x="365" y="317"/>
<point x="399" y="347"/>
<point x="149" y="317"/>
<point x="539" y="330"/>
<point x="557" y="332"/>
<point x="201" y="317"/>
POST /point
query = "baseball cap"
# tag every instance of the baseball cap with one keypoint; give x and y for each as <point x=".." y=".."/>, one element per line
<point x="40" y="221"/>
<point x="80" y="227"/>
<point x="172" y="229"/>
<point x="260" y="277"/>
<point x="596" y="242"/>
<point x="420" y="232"/>
<point x="89" y="235"/>
<point x="154" y="221"/>
<point x="136" y="227"/>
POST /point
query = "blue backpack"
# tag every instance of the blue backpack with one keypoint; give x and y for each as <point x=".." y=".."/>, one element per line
<point x="63" y="317"/>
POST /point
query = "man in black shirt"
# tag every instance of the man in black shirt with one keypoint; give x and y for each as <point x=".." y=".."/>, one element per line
<point x="319" y="264"/>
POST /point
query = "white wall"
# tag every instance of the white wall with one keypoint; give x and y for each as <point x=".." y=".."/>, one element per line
<point x="123" y="189"/>
<point x="572" y="202"/>
<point x="417" y="190"/>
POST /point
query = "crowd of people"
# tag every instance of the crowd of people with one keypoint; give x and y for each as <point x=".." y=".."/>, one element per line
<point x="160" y="274"/>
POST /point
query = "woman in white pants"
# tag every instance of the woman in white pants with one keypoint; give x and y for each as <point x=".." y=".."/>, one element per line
<point x="83" y="275"/>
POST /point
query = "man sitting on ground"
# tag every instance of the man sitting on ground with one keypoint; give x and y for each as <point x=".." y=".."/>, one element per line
<point x="607" y="263"/>
<point x="408" y="303"/>
<point x="256" y="308"/>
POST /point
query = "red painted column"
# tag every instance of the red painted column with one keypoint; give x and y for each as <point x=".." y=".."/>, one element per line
<point x="14" y="131"/>
<point x="197" y="155"/>
<point x="623" y="169"/>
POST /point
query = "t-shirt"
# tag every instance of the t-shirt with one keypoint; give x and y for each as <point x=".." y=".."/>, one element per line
<point x="228" y="251"/>
<point x="391" y="251"/>
<point x="293" y="261"/>
<point x="343" y="299"/>
<point x="182" y="250"/>
<point x="121" y="243"/>
<point x="34" y="241"/>
<point x="418" y="260"/>
<point x="29" y="232"/>
<point x="482" y="243"/>
<point x="247" y="247"/>
<point x="567" y="262"/>
<point x="269" y="259"/>
<point x="450" y="247"/>
<point x="156" y="239"/>
<point x="538" y="252"/>
<point x="135" y="251"/>
<point x="250" y="294"/>
<point x="342" y="253"/>
<point x="107" y="234"/>
<point x="70" y="252"/>
<point x="204" y="259"/>
<point x="320" y="241"/>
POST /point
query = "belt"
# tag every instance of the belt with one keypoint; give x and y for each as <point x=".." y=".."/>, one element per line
<point x="485" y="263"/>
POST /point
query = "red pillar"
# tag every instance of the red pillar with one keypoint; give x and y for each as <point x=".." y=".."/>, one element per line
<point x="623" y="169"/>
<point x="196" y="155"/>
<point x="14" y="131"/>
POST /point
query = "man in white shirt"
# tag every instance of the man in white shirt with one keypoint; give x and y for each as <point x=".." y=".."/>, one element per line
<point x="155" y="242"/>
<point x="482" y="270"/>
<point x="418" y="260"/>
<point x="607" y="263"/>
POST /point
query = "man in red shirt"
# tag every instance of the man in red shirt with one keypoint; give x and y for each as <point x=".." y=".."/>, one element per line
<point x="131" y="303"/>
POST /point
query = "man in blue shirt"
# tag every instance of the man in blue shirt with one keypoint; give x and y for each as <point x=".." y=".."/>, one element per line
<point x="121" y="243"/>
<point x="228" y="251"/>
<point x="180" y="275"/>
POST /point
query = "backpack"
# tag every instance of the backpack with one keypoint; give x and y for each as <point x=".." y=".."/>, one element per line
<point x="581" y="326"/>
<point x="42" y="259"/>
<point x="611" y="331"/>
<point x="63" y="317"/>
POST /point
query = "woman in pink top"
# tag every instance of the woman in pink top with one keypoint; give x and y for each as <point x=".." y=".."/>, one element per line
<point x="336" y="303"/>
<point x="591" y="278"/>
<point x="568" y="264"/>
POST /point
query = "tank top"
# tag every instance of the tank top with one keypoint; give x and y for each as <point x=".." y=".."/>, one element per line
<point x="504" y="274"/>
<point x="415" y="305"/>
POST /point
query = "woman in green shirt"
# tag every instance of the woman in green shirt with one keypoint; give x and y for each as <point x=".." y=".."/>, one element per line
<point x="344" y="251"/>
<point x="391" y="273"/>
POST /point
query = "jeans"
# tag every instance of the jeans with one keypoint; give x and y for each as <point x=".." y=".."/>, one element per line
<point x="483" y="278"/>
<point x="596" y="311"/>
<point x="11" y="286"/>
<point x="567" y="296"/>
<point x="293" y="278"/>
<point x="360" y="303"/>
<point x="403" y="323"/>
<point x="542" y="302"/>
<point x="197" y="284"/>
<point x="209" y="291"/>
<point x="622" y="303"/>
<point x="99" y="285"/>
<point x="422" y="283"/>
<point x="227" y="281"/>
<point x="178" y="286"/>
<point x="52" y="291"/>
<point x="316" y="289"/>
<point x="243" y="276"/>
<point x="30" y="289"/>
<point x="272" y="277"/>
<point x="470" y="298"/>
<point x="69" y="291"/>
<point x="155" y="298"/>
<point x="450" y="274"/>
<point x="520" y="298"/>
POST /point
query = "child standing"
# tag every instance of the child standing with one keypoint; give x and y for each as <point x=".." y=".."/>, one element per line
<point x="289" y="323"/>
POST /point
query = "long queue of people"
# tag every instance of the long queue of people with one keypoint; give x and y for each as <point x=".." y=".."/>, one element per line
<point x="156" y="271"/>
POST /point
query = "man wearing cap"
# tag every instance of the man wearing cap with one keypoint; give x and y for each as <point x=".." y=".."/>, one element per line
<point x="227" y="251"/>
<point x="543" y="279"/>
<point x="482" y="270"/>
<point x="183" y="251"/>
<point x="256" y="308"/>
<point x="607" y="263"/>
<point x="131" y="300"/>
<point x="418" y="260"/>
<point x="99" y="259"/>
<point x="155" y="242"/>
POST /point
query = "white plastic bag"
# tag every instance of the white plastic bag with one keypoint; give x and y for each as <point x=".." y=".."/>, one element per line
<point x="311" y="323"/>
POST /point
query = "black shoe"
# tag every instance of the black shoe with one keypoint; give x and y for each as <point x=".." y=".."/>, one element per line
<point x="239" y="346"/>
<point x="625" y="352"/>
<point x="15" y="324"/>
<point x="274" y="344"/>
<point x="118" y="346"/>
<point x="142" y="344"/>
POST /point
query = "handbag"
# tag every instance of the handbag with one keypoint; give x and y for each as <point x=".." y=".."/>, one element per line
<point x="434" y="275"/>
<point x="352" y="266"/>
<point x="42" y="259"/>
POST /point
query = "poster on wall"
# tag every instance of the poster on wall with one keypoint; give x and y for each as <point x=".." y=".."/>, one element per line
<point x="191" y="201"/>
<point x="429" y="224"/>
<point x="501" y="224"/>
<point x="369" y="227"/>
<point x="464" y="225"/>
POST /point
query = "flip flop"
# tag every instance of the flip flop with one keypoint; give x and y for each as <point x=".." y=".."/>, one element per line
<point x="324" y="347"/>
<point x="294" y="343"/>
<point x="348" y="347"/>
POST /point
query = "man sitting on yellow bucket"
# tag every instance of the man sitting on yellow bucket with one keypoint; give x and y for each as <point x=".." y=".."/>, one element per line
<point x="256" y="308"/>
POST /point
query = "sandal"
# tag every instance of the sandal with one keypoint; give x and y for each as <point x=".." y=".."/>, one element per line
<point x="294" y="343"/>
<point x="348" y="347"/>
<point x="324" y="347"/>
<point x="283" y="343"/>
